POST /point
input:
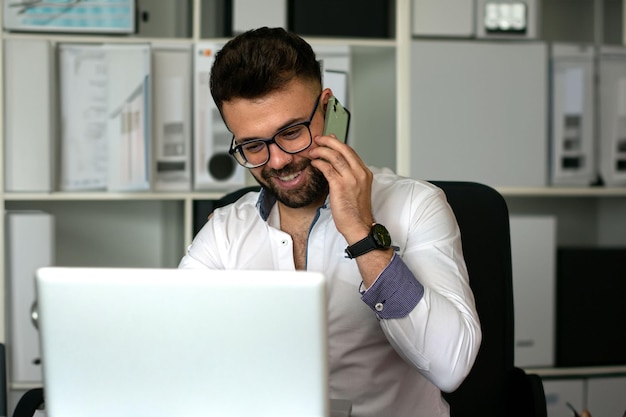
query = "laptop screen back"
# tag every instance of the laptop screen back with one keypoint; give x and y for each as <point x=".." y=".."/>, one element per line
<point x="174" y="342"/>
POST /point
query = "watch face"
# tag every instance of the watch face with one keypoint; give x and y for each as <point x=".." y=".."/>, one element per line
<point x="381" y="236"/>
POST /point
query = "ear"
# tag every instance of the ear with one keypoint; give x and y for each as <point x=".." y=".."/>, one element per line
<point x="327" y="93"/>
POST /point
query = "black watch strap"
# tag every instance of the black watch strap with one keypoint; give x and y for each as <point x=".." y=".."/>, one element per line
<point x="377" y="238"/>
<point x="361" y="247"/>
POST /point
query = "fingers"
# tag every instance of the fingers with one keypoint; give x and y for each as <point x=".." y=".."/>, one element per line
<point x="350" y="183"/>
<point x="336" y="157"/>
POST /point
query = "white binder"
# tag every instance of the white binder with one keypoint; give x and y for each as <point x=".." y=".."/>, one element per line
<point x="533" y="253"/>
<point x="214" y="167"/>
<point x="613" y="115"/>
<point x="129" y="118"/>
<point x="105" y="113"/>
<point x="29" y="117"/>
<point x="30" y="245"/>
<point x="171" y="130"/>
<point x="83" y="108"/>
<point x="572" y="134"/>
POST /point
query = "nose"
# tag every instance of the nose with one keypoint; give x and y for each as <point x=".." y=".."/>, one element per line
<point x="278" y="157"/>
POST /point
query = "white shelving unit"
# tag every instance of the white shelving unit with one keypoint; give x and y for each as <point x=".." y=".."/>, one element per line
<point x="153" y="229"/>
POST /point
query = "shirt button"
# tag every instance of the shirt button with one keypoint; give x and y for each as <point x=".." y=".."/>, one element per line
<point x="379" y="306"/>
<point x="284" y="242"/>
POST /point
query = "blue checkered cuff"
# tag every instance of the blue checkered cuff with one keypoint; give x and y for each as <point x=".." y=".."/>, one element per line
<point x="396" y="291"/>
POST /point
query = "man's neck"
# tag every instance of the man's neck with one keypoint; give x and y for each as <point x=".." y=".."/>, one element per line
<point x="300" y="215"/>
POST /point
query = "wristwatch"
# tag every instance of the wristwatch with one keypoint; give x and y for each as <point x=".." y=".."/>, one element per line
<point x="378" y="238"/>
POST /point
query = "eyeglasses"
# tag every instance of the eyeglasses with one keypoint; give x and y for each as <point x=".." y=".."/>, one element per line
<point x="292" y="139"/>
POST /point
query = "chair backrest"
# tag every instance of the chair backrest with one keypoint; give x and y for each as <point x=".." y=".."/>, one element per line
<point x="483" y="219"/>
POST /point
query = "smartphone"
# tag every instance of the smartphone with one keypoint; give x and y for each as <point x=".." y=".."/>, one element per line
<point x="337" y="119"/>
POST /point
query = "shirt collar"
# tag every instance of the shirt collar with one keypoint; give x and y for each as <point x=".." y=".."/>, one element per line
<point x="265" y="203"/>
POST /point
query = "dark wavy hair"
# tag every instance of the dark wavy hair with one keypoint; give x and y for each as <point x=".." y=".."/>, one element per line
<point x="260" y="61"/>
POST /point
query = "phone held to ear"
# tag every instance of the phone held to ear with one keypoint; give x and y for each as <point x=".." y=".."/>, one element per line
<point x="337" y="120"/>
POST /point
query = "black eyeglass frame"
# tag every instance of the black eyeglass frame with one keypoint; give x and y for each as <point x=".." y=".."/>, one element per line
<point x="237" y="153"/>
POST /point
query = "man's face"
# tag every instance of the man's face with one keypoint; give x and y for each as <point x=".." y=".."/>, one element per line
<point x="291" y="177"/>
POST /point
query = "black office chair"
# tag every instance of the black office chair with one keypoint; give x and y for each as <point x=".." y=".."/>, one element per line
<point x="28" y="404"/>
<point x="494" y="387"/>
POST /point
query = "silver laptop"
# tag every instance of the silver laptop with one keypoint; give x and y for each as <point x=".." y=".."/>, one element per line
<point x="172" y="342"/>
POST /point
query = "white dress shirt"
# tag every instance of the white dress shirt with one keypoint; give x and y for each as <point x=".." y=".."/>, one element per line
<point x="414" y="332"/>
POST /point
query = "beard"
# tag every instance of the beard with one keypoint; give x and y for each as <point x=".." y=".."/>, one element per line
<point x="312" y="191"/>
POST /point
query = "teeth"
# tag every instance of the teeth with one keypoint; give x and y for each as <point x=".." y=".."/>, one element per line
<point x="289" y="177"/>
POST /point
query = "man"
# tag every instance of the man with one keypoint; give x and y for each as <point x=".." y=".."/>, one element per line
<point x="402" y="320"/>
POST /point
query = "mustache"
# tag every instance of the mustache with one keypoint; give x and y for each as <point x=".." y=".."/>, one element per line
<point x="286" y="170"/>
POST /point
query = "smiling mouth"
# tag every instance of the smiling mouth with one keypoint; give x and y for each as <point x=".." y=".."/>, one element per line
<point x="290" y="177"/>
<point x="287" y="174"/>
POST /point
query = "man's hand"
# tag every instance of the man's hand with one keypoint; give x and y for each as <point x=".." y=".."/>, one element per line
<point x="350" y="186"/>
